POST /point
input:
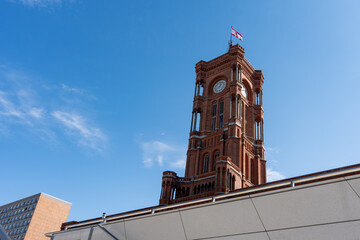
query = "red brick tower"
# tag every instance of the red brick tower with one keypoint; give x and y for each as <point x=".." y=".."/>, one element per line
<point x="226" y="143"/>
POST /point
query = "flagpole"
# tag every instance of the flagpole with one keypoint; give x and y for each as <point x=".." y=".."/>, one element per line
<point x="230" y="42"/>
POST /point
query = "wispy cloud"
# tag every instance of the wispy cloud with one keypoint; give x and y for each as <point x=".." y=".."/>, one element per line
<point x="15" y="109"/>
<point x="36" y="112"/>
<point x="70" y="94"/>
<point x="87" y="135"/>
<point x="272" y="150"/>
<point x="17" y="99"/>
<point x="7" y="107"/>
<point x="154" y="152"/>
<point x="160" y="152"/>
<point x="23" y="100"/>
<point x="40" y="3"/>
<point x="72" y="89"/>
<point x="271" y="155"/>
<point x="179" y="164"/>
<point x="272" y="175"/>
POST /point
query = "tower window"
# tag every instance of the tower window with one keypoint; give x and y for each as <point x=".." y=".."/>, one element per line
<point x="221" y="115"/>
<point x="244" y="91"/>
<point x="251" y="170"/>
<point x="198" y="120"/>
<point x="213" y="119"/>
<point x="206" y="163"/>
<point x="217" y="153"/>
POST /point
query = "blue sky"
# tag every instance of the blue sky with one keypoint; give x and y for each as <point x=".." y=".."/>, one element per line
<point x="96" y="96"/>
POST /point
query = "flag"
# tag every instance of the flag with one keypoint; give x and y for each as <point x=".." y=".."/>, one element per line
<point x="236" y="34"/>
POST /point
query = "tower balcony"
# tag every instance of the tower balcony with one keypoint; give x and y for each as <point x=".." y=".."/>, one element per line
<point x="199" y="98"/>
<point x="258" y="107"/>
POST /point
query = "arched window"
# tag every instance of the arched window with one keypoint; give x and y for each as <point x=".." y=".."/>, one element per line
<point x="197" y="123"/>
<point x="244" y="91"/>
<point x="206" y="163"/>
<point x="199" y="89"/>
<point x="174" y="192"/>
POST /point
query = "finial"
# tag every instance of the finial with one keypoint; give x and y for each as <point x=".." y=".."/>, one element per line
<point x="104" y="217"/>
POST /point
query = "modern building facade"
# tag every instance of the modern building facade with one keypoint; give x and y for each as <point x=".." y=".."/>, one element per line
<point x="31" y="217"/>
<point x="321" y="206"/>
<point x="226" y="142"/>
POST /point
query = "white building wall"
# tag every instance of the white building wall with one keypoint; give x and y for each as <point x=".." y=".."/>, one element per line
<point x="322" y="210"/>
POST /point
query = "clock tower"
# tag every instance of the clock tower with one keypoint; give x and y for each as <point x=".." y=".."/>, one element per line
<point x="226" y="142"/>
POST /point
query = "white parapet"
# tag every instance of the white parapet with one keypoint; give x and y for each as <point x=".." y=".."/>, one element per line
<point x="326" y="209"/>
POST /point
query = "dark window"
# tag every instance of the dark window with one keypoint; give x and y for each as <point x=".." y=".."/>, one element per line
<point x="214" y="109"/>
<point x="217" y="153"/>
<point x="206" y="163"/>
<point x="221" y="115"/>
<point x="213" y="124"/>
<point x="251" y="170"/>
<point x="213" y="120"/>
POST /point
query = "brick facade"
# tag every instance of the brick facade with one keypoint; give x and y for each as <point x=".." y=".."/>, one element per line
<point x="48" y="216"/>
<point x="226" y="143"/>
<point x="30" y="218"/>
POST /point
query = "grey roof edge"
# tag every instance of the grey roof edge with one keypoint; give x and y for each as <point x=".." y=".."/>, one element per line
<point x="55" y="198"/>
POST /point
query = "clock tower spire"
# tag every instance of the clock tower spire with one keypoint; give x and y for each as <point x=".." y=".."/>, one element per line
<point x="226" y="140"/>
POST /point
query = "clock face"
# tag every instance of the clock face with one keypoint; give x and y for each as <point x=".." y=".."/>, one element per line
<point x="219" y="86"/>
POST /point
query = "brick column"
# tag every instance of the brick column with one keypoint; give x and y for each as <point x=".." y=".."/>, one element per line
<point x="237" y="73"/>
<point x="243" y="167"/>
<point x="230" y="107"/>
<point x="257" y="168"/>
